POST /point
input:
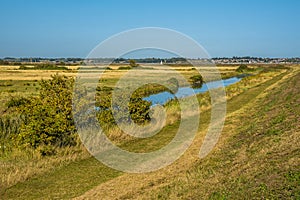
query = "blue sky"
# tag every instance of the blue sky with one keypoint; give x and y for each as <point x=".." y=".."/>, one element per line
<point x="70" y="28"/>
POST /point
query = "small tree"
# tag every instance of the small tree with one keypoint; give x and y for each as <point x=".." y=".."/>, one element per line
<point x="197" y="81"/>
<point x="133" y="63"/>
<point x="242" y="68"/>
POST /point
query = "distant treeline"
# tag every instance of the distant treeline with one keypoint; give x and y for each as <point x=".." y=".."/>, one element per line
<point x="19" y="63"/>
<point x="30" y="60"/>
<point x="174" y="60"/>
<point x="81" y="61"/>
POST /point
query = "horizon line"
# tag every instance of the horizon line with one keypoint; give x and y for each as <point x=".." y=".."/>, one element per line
<point x="217" y="57"/>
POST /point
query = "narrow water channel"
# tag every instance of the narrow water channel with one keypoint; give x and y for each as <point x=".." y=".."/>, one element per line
<point x="163" y="97"/>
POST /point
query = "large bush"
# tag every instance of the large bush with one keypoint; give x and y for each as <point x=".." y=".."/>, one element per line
<point x="47" y="119"/>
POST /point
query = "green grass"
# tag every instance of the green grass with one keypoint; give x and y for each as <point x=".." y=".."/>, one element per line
<point x="9" y="88"/>
<point x="19" y="86"/>
<point x="64" y="182"/>
<point x="259" y="127"/>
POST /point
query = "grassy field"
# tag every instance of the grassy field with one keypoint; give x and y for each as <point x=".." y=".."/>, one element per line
<point x="256" y="157"/>
<point x="16" y="82"/>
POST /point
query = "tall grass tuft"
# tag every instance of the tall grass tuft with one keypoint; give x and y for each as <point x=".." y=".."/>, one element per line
<point x="9" y="127"/>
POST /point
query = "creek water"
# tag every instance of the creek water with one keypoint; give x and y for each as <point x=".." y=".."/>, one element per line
<point x="163" y="97"/>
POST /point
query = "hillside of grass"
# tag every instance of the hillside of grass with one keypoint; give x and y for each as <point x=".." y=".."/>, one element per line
<point x="258" y="157"/>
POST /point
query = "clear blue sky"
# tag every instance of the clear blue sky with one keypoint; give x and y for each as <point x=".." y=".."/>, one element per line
<point x="70" y="28"/>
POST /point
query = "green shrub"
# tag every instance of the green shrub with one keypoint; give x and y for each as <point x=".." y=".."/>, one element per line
<point x="47" y="119"/>
<point x="23" y="67"/>
<point x="133" y="63"/>
<point x="125" y="68"/>
<point x="9" y="128"/>
<point x="197" y="81"/>
<point x="46" y="150"/>
<point x="137" y="108"/>
<point x="104" y="88"/>
<point x="6" y="84"/>
<point x="243" y="68"/>
<point x="11" y="91"/>
<point x="17" y="102"/>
